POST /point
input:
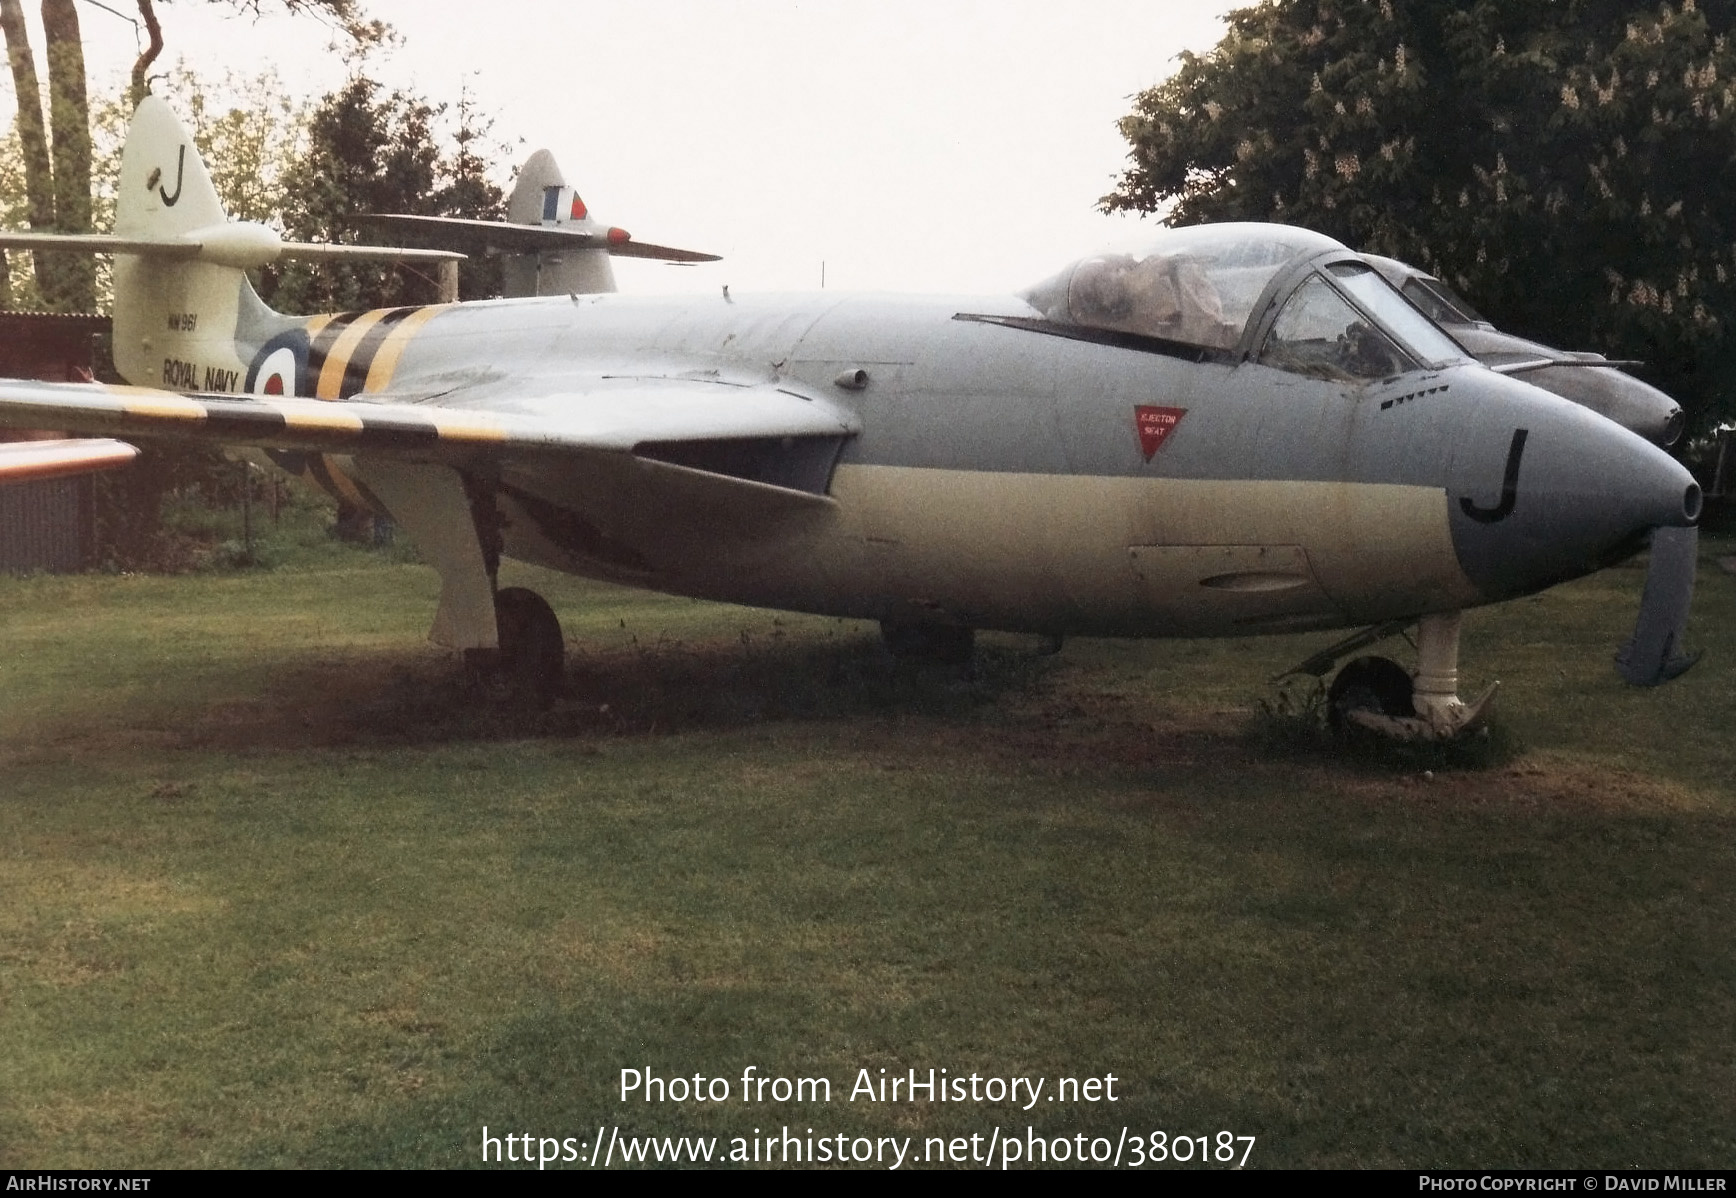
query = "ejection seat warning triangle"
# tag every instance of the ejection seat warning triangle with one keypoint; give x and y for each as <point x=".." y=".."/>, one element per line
<point x="1155" y="425"/>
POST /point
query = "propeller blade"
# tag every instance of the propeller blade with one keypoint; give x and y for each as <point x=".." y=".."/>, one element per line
<point x="1651" y="656"/>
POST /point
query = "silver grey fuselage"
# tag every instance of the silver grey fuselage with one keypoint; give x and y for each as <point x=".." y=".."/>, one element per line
<point x="999" y="479"/>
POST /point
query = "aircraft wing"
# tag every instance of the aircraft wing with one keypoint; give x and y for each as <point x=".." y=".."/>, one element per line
<point x="1520" y="363"/>
<point x="21" y="461"/>
<point x="480" y="236"/>
<point x="458" y="426"/>
<point x="255" y="244"/>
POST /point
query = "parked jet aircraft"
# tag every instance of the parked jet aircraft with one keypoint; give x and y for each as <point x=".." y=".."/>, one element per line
<point x="551" y="243"/>
<point x="1244" y="430"/>
<point x="1586" y="378"/>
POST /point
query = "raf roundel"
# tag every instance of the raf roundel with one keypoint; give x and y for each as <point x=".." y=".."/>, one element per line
<point x="280" y="366"/>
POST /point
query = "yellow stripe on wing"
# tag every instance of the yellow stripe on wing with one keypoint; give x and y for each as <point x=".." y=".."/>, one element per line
<point x="163" y="406"/>
<point x="123" y="389"/>
<point x="332" y="420"/>
<point x="454" y="426"/>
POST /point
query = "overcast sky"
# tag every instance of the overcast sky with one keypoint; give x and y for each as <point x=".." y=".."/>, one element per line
<point x="940" y="145"/>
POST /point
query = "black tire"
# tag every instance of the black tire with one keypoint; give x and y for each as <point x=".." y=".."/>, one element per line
<point x="1376" y="684"/>
<point x="532" y="651"/>
<point x="941" y="644"/>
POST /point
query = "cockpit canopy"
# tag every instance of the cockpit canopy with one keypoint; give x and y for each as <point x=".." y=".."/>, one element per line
<point x="1207" y="286"/>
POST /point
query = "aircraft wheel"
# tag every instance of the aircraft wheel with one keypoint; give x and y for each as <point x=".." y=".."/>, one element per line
<point x="532" y="650"/>
<point x="943" y="644"/>
<point x="1376" y="684"/>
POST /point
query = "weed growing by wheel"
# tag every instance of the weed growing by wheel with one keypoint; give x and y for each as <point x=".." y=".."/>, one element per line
<point x="1297" y="720"/>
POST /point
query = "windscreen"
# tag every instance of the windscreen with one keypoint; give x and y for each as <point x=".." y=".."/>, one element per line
<point x="1320" y="334"/>
<point x="1415" y="330"/>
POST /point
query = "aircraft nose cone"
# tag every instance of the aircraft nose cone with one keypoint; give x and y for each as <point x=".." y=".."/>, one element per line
<point x="1632" y="403"/>
<point x="1674" y="424"/>
<point x="1542" y="491"/>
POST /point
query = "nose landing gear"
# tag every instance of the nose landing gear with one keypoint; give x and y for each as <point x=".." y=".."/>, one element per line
<point x="1378" y="694"/>
<point x="1370" y="684"/>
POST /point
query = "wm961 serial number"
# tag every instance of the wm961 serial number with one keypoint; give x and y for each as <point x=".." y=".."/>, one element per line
<point x="1225" y="1148"/>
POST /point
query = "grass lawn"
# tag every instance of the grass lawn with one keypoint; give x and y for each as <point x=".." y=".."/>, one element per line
<point x="275" y="890"/>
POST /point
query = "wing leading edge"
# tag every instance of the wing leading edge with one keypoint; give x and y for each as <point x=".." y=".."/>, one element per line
<point x="694" y="424"/>
<point x="484" y="236"/>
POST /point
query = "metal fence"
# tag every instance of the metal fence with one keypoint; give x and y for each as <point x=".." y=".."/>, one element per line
<point x="46" y="526"/>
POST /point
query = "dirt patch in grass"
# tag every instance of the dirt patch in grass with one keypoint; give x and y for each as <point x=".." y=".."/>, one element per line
<point x="98" y="740"/>
<point x="1015" y="709"/>
<point x="1544" y="783"/>
<point x="671" y="687"/>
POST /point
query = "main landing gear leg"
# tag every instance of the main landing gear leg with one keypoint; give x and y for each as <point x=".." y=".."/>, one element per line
<point x="510" y="635"/>
<point x="531" y="654"/>
<point x="1437" y="684"/>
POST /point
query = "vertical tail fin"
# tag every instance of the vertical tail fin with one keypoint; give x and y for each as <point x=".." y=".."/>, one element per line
<point x="176" y="322"/>
<point x="185" y="316"/>
<point x="165" y="190"/>
<point x="541" y="197"/>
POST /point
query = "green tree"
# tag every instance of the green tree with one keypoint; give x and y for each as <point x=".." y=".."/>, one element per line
<point x="1569" y="164"/>
<point x="369" y="151"/>
<point x="58" y="180"/>
<point x="468" y="192"/>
